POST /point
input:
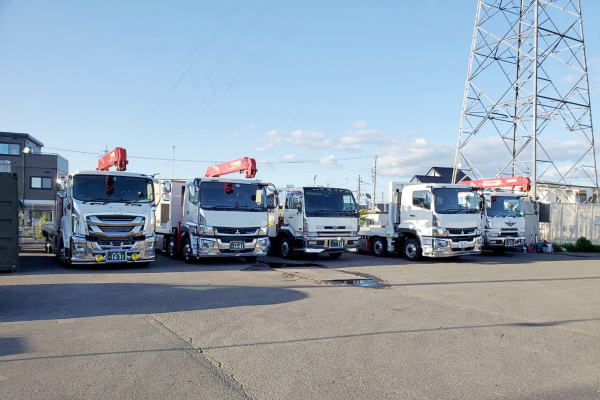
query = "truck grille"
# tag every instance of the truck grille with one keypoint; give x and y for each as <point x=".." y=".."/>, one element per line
<point x="463" y="231"/>
<point x="510" y="231"/>
<point x="236" y="231"/>
<point x="334" y="234"/>
<point x="115" y="225"/>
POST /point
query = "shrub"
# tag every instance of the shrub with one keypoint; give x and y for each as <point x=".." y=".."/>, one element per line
<point x="581" y="245"/>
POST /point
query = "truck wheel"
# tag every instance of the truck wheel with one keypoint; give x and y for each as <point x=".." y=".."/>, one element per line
<point x="335" y="256"/>
<point x="186" y="251"/>
<point x="499" y="250"/>
<point x="250" y="259"/>
<point x="286" y="248"/>
<point x="378" y="247"/>
<point x="412" y="250"/>
<point x="172" y="249"/>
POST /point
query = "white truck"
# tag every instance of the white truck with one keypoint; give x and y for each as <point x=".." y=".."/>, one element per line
<point x="314" y="220"/>
<point x="214" y="217"/>
<point x="431" y="220"/>
<point x="503" y="220"/>
<point x="104" y="216"/>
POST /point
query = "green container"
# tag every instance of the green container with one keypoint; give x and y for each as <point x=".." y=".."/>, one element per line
<point x="9" y="222"/>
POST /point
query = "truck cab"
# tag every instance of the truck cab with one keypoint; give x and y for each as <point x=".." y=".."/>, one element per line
<point x="431" y="220"/>
<point x="212" y="217"/>
<point x="315" y="220"/>
<point x="504" y="221"/>
<point x="105" y="217"/>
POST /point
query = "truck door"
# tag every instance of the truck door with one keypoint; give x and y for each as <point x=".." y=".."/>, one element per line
<point x="293" y="213"/>
<point x="418" y="211"/>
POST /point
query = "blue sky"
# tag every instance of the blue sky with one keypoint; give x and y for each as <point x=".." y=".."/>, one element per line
<point x="335" y="88"/>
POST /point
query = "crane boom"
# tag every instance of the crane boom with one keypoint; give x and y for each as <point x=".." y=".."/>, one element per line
<point x="515" y="181"/>
<point x="117" y="158"/>
<point x="241" y="164"/>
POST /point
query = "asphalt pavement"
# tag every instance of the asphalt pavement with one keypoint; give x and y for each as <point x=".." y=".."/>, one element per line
<point x="516" y="326"/>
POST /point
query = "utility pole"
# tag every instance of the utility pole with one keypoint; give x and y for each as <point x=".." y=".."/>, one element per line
<point x="173" y="176"/>
<point x="374" y="183"/>
<point x="314" y="180"/>
<point x="358" y="192"/>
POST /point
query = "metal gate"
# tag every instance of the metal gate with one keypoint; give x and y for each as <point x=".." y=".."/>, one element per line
<point x="570" y="221"/>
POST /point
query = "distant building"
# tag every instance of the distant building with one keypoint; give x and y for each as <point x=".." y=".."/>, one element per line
<point x="37" y="174"/>
<point x="439" y="175"/>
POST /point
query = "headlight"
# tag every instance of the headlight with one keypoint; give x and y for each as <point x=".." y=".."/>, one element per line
<point x="477" y="232"/>
<point x="263" y="242"/>
<point x="206" y="230"/>
<point x="441" y="243"/>
<point x="75" y="222"/>
<point x="440" y="231"/>
<point x="263" y="230"/>
<point x="150" y="245"/>
<point x="490" y="233"/>
<point x="207" y="243"/>
<point x="312" y="234"/>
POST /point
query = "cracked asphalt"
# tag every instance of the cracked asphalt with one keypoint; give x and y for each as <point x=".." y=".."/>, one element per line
<point x="518" y="326"/>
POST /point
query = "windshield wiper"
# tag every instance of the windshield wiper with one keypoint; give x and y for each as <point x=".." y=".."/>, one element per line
<point x="321" y="210"/>
<point x="450" y="211"/>
<point x="102" y="201"/>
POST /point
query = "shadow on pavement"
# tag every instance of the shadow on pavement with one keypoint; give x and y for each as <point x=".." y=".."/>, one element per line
<point x="410" y="331"/>
<point x="78" y="300"/>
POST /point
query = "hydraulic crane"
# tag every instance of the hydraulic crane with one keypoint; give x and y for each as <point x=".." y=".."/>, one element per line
<point x="514" y="182"/>
<point x="116" y="158"/>
<point x="240" y="165"/>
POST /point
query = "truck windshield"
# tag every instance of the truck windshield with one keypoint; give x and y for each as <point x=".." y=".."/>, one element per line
<point x="505" y="206"/>
<point x="113" y="188"/>
<point x="329" y="203"/>
<point x="233" y="196"/>
<point x="455" y="201"/>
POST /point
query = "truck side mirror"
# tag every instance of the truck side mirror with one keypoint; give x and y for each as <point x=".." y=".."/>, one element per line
<point x="61" y="194"/>
<point x="166" y="187"/>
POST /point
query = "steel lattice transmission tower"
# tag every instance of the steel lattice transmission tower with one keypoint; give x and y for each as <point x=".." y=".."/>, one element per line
<point x="527" y="95"/>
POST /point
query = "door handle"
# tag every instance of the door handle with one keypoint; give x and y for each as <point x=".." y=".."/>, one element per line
<point x="412" y="215"/>
<point x="291" y="217"/>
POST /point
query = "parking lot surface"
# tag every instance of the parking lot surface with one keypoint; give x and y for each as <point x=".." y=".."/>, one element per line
<point x="516" y="326"/>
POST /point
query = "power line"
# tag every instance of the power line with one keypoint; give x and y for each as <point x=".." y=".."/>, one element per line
<point x="199" y="109"/>
<point x="264" y="11"/>
<point x="227" y="15"/>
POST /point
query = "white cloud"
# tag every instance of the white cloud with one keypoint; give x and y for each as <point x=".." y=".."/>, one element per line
<point x="299" y="139"/>
<point x="260" y="149"/>
<point x="406" y="158"/>
<point x="359" y="124"/>
<point x="331" y="161"/>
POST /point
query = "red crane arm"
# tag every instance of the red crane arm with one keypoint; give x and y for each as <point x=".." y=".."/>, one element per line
<point x="241" y="164"/>
<point x="117" y="158"/>
<point x="514" y="181"/>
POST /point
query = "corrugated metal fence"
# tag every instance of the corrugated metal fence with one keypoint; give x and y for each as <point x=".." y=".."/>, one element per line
<point x="570" y="221"/>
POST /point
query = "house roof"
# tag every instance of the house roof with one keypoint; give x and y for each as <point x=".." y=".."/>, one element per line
<point x="22" y="136"/>
<point x="445" y="176"/>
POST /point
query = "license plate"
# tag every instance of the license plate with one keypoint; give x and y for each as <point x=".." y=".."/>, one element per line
<point x="463" y="245"/>
<point x="116" y="256"/>
<point x="237" y="246"/>
<point x="335" y="243"/>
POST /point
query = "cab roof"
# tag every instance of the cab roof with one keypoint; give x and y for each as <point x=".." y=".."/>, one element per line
<point x="114" y="173"/>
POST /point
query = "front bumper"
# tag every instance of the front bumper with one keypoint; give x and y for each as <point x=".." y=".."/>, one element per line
<point x="503" y="241"/>
<point x="320" y="244"/>
<point x="97" y="252"/>
<point x="442" y="247"/>
<point x="220" y="247"/>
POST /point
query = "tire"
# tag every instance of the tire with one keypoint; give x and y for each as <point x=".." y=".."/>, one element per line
<point x="335" y="256"/>
<point x="250" y="259"/>
<point x="499" y="250"/>
<point x="412" y="250"/>
<point x="172" y="248"/>
<point x="378" y="247"/>
<point x="286" y="248"/>
<point x="186" y="251"/>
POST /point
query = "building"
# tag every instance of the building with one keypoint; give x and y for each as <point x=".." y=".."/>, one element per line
<point x="439" y="175"/>
<point x="37" y="174"/>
